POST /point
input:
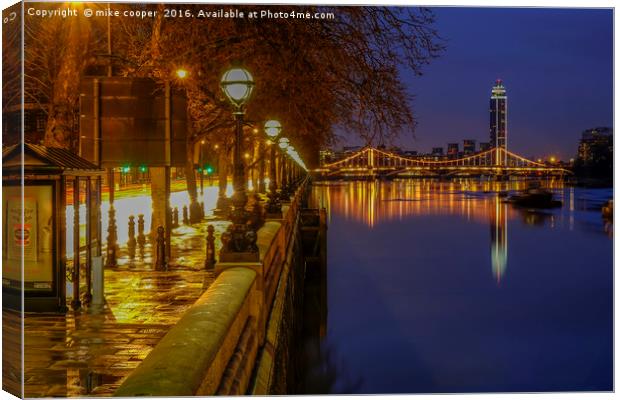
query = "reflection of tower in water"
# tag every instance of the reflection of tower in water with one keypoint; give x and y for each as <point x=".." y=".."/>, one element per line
<point x="375" y="202"/>
<point x="499" y="238"/>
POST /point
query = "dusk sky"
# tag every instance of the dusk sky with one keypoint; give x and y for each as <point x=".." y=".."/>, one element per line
<point x="556" y="64"/>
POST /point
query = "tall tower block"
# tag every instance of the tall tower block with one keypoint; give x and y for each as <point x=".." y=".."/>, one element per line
<point x="499" y="119"/>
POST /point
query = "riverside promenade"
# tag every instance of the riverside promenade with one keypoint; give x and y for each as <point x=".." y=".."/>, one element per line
<point x="182" y="331"/>
<point x="89" y="353"/>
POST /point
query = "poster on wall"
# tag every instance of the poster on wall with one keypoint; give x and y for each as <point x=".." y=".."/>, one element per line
<point x="31" y="237"/>
<point x="22" y="234"/>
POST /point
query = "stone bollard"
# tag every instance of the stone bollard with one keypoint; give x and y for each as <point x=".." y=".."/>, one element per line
<point x="185" y="216"/>
<point x="131" y="232"/>
<point x="111" y="240"/>
<point x="175" y="218"/>
<point x="160" y="261"/>
<point x="141" y="237"/>
<point x="210" y="255"/>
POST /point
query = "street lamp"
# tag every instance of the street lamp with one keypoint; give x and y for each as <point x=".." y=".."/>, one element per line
<point x="182" y="73"/>
<point x="273" y="129"/>
<point x="237" y="84"/>
<point x="239" y="242"/>
<point x="168" y="134"/>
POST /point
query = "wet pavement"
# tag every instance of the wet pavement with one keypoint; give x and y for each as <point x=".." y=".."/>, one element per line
<point x="89" y="352"/>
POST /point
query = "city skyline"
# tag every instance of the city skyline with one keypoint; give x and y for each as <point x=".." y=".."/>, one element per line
<point x="559" y="78"/>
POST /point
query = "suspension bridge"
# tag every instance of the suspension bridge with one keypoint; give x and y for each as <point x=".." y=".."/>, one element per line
<point x="371" y="162"/>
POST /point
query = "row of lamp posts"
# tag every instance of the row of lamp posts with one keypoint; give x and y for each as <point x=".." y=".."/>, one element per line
<point x="239" y="241"/>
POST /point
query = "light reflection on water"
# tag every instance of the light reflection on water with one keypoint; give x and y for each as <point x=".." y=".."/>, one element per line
<point x="442" y="287"/>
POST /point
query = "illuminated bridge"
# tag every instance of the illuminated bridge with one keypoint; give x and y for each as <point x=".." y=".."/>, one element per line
<point x="370" y="162"/>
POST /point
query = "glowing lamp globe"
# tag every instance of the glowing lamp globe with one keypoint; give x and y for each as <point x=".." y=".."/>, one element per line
<point x="283" y="143"/>
<point x="237" y="84"/>
<point x="273" y="128"/>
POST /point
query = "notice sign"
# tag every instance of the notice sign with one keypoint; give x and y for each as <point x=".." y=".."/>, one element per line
<point x="22" y="235"/>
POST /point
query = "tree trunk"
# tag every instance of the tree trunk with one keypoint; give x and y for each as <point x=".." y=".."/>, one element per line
<point x="261" y="166"/>
<point x="158" y="198"/>
<point x="60" y="129"/>
<point x="190" y="179"/>
<point x="222" y="171"/>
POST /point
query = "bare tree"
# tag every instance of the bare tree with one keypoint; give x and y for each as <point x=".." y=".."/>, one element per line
<point x="311" y="74"/>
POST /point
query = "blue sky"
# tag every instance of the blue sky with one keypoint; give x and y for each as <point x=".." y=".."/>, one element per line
<point x="556" y="64"/>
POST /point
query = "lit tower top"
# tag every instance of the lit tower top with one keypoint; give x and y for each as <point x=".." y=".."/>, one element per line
<point x="498" y="90"/>
<point x="499" y="117"/>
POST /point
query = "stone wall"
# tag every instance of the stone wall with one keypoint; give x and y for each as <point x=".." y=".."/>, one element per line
<point x="238" y="337"/>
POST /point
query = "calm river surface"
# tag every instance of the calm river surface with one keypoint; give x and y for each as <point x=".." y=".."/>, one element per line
<point x="440" y="287"/>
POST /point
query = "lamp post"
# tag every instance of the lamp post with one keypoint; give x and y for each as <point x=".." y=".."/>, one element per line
<point x="222" y="204"/>
<point x="180" y="74"/>
<point x="239" y="242"/>
<point x="274" y="208"/>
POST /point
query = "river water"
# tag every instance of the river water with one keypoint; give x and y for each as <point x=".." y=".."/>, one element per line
<point x="438" y="287"/>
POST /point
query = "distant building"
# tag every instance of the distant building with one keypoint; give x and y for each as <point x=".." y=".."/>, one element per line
<point x="351" y="149"/>
<point x="453" y="150"/>
<point x="409" y="153"/>
<point x="35" y="121"/>
<point x="594" y="143"/>
<point x="484" y="146"/>
<point x="437" y="151"/>
<point x="499" y="114"/>
<point x="469" y="146"/>
<point x="325" y="157"/>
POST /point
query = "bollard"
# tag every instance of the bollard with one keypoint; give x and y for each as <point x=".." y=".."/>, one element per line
<point x="131" y="232"/>
<point x="141" y="237"/>
<point x="175" y="218"/>
<point x="202" y="209"/>
<point x="160" y="261"/>
<point x="111" y="245"/>
<point x="210" y="256"/>
<point x="185" y="216"/>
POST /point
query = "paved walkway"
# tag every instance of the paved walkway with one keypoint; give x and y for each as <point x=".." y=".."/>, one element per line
<point x="90" y="353"/>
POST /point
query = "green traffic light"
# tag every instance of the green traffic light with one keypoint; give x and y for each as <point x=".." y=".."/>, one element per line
<point x="209" y="170"/>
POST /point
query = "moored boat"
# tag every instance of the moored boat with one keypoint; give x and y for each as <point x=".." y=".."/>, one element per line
<point x="534" y="198"/>
<point x="608" y="210"/>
